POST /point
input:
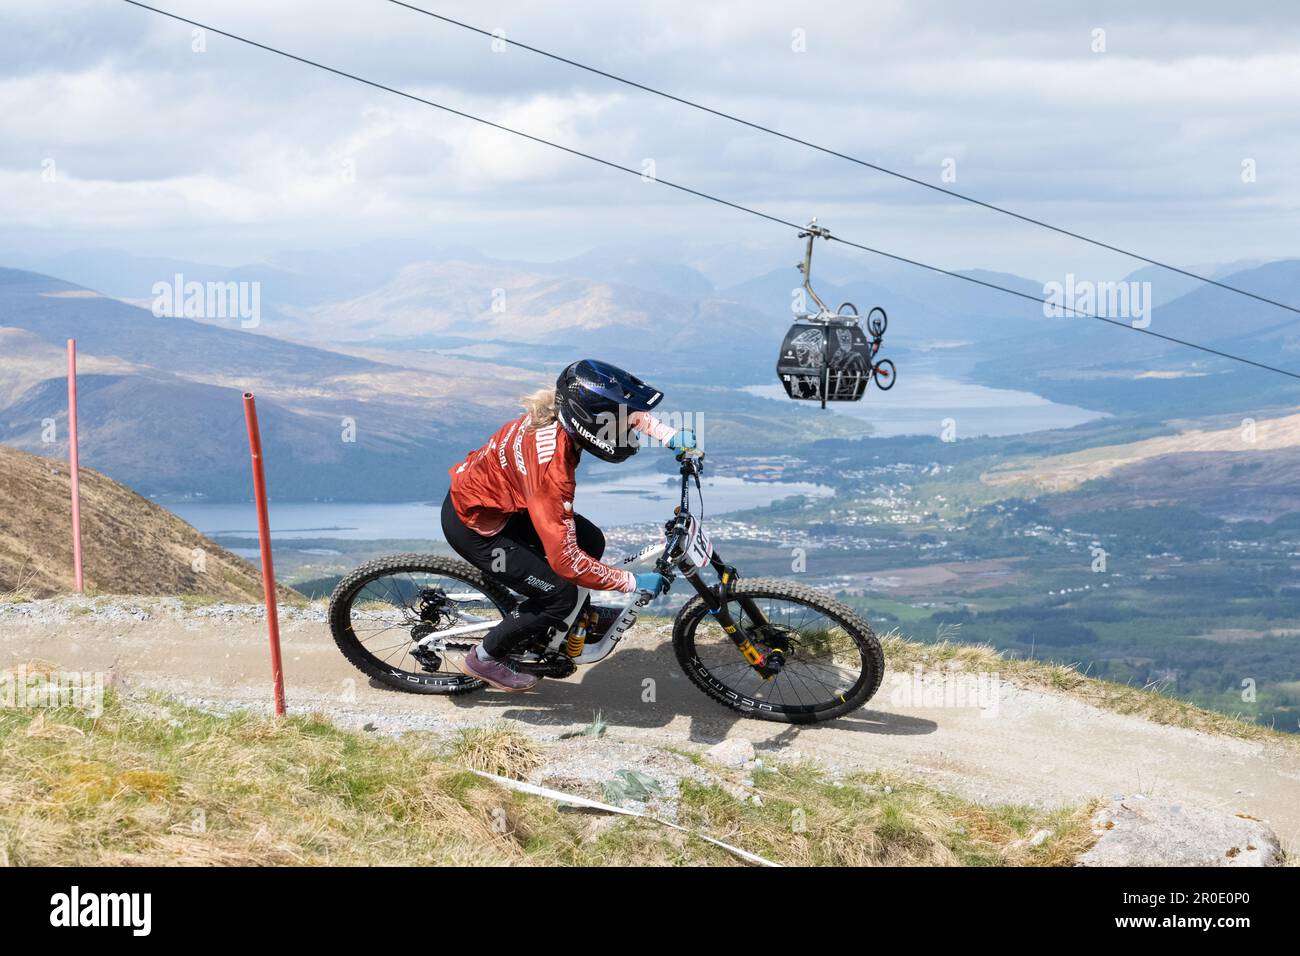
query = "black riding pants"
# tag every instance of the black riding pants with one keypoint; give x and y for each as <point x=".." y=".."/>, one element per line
<point x="515" y="557"/>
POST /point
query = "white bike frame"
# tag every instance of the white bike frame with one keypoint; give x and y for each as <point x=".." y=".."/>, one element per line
<point x="591" y="652"/>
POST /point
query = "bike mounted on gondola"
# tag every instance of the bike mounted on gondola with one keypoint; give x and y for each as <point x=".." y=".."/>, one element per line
<point x="827" y="356"/>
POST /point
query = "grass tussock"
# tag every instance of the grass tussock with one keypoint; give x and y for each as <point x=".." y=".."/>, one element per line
<point x="1147" y="703"/>
<point x="496" y="748"/>
<point x="155" y="782"/>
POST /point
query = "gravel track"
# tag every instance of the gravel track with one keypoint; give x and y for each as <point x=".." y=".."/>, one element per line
<point x="1023" y="745"/>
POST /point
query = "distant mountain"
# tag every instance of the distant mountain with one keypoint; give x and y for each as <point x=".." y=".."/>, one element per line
<point x="1167" y="285"/>
<point x="636" y="271"/>
<point x="172" y="437"/>
<point x="55" y="311"/>
<point x="1241" y="486"/>
<point x="1209" y="469"/>
<point x="1211" y="314"/>
<point x="1086" y="362"/>
<point x="777" y="292"/>
<point x="450" y="303"/>
<point x="289" y="280"/>
<point x="161" y="407"/>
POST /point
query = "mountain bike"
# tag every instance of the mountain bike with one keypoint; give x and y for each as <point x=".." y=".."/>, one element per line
<point x="770" y="649"/>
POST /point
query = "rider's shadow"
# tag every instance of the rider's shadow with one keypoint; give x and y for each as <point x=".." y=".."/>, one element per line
<point x="646" y="689"/>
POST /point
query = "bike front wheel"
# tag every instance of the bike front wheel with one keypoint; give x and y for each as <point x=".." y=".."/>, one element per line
<point x="833" y="660"/>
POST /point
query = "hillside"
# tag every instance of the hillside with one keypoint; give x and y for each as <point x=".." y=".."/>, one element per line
<point x="130" y="544"/>
<point x="1243" y="471"/>
<point x="1067" y="472"/>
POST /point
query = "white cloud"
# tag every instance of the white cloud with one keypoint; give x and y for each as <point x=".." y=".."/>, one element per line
<point x="160" y="145"/>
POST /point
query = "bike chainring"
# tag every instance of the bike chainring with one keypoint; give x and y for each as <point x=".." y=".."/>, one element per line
<point x="553" y="665"/>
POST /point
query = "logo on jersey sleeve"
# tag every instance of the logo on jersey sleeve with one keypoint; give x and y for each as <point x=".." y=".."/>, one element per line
<point x="545" y="442"/>
<point x="518" y="450"/>
<point x="501" y="449"/>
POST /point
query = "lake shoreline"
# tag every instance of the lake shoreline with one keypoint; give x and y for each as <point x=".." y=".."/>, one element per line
<point x="632" y="499"/>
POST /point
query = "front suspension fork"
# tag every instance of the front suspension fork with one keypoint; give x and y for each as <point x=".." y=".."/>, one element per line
<point x="766" y="665"/>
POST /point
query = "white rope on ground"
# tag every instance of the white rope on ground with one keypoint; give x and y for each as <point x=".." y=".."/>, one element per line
<point x="532" y="789"/>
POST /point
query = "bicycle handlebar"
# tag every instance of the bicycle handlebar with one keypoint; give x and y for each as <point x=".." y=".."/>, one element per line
<point x="691" y="461"/>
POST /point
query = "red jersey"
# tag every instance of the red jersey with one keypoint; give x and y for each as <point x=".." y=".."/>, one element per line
<point x="532" y="469"/>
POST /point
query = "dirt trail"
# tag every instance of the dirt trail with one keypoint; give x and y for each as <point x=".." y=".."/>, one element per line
<point x="1024" y="745"/>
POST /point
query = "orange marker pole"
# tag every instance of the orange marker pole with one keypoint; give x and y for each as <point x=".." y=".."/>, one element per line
<point x="74" y="468"/>
<point x="264" y="537"/>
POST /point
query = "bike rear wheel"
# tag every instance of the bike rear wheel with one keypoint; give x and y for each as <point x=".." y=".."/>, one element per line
<point x="833" y="660"/>
<point x="379" y="611"/>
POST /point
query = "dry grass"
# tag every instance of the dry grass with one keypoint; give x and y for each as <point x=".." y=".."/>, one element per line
<point x="496" y="748"/>
<point x="154" y="782"/>
<point x="164" y="784"/>
<point x="883" y="820"/>
<point x="1147" y="703"/>
<point x="18" y="587"/>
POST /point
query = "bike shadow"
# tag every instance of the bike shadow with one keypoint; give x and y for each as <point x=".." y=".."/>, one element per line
<point x="645" y="689"/>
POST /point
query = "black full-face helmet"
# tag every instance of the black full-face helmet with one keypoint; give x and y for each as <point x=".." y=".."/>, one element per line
<point x="593" y="401"/>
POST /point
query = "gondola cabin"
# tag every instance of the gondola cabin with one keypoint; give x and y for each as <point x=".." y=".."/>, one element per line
<point x="825" y="361"/>
<point x="826" y="356"/>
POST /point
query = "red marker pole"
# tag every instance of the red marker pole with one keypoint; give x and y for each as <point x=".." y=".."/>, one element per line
<point x="74" y="468"/>
<point x="264" y="537"/>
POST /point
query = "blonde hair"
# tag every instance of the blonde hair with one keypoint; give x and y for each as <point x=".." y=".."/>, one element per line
<point x="540" y="407"/>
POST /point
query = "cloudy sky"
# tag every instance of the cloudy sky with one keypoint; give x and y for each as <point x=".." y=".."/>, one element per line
<point x="227" y="153"/>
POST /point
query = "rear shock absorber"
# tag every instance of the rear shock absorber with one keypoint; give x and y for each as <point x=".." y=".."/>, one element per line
<point x="577" y="637"/>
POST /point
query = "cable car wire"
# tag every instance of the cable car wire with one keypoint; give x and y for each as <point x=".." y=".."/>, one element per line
<point x="698" y="193"/>
<point x="845" y="156"/>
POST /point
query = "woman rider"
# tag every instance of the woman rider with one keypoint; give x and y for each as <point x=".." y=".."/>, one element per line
<point x="510" y="508"/>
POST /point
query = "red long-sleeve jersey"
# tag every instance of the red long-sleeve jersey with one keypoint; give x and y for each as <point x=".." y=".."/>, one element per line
<point x="522" y="468"/>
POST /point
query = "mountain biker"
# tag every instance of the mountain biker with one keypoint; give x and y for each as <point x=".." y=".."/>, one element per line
<point x="509" y="511"/>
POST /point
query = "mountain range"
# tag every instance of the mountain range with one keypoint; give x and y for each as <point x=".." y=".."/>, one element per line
<point x="377" y="368"/>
